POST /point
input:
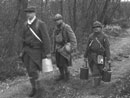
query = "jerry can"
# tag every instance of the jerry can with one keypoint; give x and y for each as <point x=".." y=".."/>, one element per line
<point x="106" y="77"/>
<point x="106" y="74"/>
<point x="84" y="73"/>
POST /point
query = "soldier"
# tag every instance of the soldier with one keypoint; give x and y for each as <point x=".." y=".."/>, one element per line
<point x="97" y="52"/>
<point x="64" y="43"/>
<point x="36" y="46"/>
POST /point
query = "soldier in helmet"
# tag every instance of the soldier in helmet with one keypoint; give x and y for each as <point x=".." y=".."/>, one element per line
<point x="64" y="43"/>
<point x="97" y="52"/>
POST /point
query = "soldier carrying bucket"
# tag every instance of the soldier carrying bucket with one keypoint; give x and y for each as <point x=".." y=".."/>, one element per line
<point x="96" y="51"/>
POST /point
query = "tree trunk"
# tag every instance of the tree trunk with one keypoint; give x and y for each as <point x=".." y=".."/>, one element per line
<point x="61" y="7"/>
<point x="69" y="12"/>
<point x="74" y="16"/>
<point x="102" y="16"/>
<point x="115" y="7"/>
<point x="20" y="19"/>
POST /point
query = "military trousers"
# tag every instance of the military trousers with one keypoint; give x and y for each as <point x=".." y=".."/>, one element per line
<point x="97" y="69"/>
<point x="32" y="69"/>
<point x="62" y="63"/>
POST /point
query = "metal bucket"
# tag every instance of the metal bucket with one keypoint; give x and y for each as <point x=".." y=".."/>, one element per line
<point x="84" y="73"/>
<point x="47" y="65"/>
<point x="106" y="77"/>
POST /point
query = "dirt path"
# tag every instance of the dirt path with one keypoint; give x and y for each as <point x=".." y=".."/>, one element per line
<point x="76" y="88"/>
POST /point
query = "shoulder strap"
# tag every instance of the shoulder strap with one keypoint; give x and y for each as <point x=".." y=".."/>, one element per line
<point x="100" y="43"/>
<point x="90" y="43"/>
<point x="34" y="34"/>
<point x="64" y="34"/>
<point x="91" y="40"/>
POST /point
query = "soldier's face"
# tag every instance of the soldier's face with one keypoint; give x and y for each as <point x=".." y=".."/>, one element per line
<point x="97" y="29"/>
<point x="30" y="15"/>
<point x="58" y="22"/>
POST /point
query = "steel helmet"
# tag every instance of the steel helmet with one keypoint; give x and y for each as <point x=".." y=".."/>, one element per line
<point x="97" y="24"/>
<point x="57" y="17"/>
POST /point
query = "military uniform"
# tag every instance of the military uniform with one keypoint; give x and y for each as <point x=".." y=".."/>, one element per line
<point x="97" y="44"/>
<point x="34" y="50"/>
<point x="63" y="35"/>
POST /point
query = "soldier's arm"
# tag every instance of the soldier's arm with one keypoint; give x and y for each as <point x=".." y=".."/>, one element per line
<point x="53" y="42"/>
<point x="46" y="47"/>
<point x="107" y="48"/>
<point x="72" y="37"/>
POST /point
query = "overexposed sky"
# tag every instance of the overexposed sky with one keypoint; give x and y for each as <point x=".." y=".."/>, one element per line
<point x="121" y="0"/>
<point x="125" y="0"/>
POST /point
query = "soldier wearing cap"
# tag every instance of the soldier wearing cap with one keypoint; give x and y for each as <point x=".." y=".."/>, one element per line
<point x="97" y="52"/>
<point x="33" y="49"/>
<point x="64" y="43"/>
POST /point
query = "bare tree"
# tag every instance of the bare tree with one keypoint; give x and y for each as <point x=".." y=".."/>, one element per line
<point x="102" y="16"/>
<point x="61" y="7"/>
<point x="74" y="15"/>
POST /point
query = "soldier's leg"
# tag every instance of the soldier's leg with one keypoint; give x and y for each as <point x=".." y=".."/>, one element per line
<point x="26" y="60"/>
<point x="91" y="67"/>
<point x="60" y="67"/>
<point x="96" y="75"/>
<point x="100" y="67"/>
<point x="66" y="73"/>
<point x="33" y="74"/>
<point x="61" y="73"/>
<point x="65" y="68"/>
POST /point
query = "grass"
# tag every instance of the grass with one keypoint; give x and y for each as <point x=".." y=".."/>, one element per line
<point x="11" y="69"/>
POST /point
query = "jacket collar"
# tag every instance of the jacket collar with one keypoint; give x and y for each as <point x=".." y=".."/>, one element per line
<point x="31" y="21"/>
<point x="61" y="27"/>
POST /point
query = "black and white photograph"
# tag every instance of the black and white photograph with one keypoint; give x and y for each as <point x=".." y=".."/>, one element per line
<point x="64" y="48"/>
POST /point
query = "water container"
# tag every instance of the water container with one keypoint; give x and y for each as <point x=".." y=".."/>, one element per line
<point x="47" y="65"/>
<point x="84" y="73"/>
<point x="106" y="77"/>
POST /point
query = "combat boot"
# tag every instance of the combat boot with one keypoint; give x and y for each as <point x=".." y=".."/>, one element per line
<point x="61" y="77"/>
<point x="67" y="76"/>
<point x="33" y="92"/>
